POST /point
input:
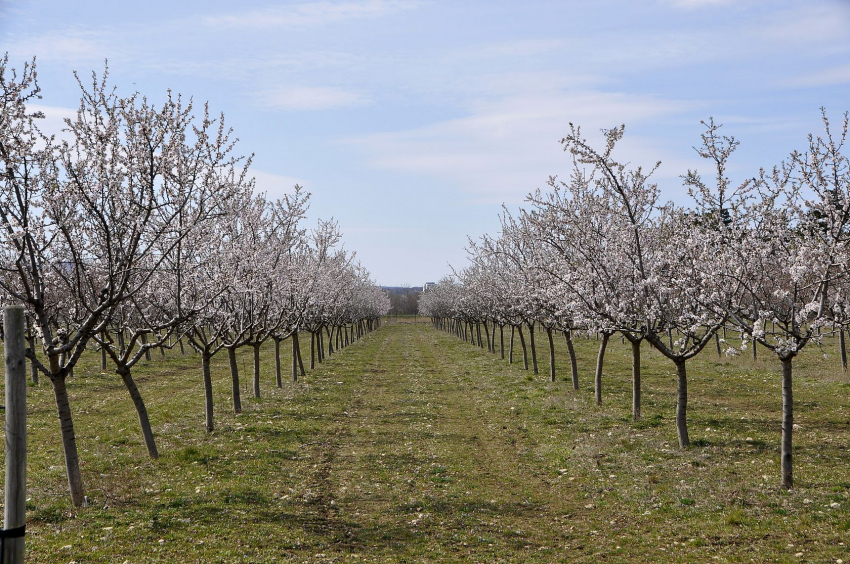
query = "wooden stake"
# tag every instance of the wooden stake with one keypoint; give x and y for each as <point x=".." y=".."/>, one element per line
<point x="16" y="433"/>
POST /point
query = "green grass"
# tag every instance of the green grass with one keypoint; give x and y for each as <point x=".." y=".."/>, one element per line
<point x="414" y="446"/>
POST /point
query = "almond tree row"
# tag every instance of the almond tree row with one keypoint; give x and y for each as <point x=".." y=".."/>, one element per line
<point x="141" y="229"/>
<point x="600" y="253"/>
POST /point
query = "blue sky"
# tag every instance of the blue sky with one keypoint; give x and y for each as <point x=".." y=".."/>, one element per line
<point x="412" y="121"/>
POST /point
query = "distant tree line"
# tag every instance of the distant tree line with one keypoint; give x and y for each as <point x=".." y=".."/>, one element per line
<point x="404" y="300"/>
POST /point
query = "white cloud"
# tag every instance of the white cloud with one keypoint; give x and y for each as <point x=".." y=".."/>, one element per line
<point x="364" y="230"/>
<point x="691" y="4"/>
<point x="824" y="24"/>
<point x="66" y="45"/>
<point x="824" y="77"/>
<point x="307" y="14"/>
<point x="311" y="98"/>
<point x="54" y="120"/>
<point x="506" y="148"/>
<point x="275" y="185"/>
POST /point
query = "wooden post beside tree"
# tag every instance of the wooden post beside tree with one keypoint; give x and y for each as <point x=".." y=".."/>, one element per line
<point x="14" y="517"/>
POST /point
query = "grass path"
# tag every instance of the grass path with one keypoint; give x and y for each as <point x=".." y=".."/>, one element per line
<point x="421" y="463"/>
<point x="412" y="446"/>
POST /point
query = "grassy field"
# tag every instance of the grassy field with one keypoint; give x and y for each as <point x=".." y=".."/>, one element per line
<point x="413" y="446"/>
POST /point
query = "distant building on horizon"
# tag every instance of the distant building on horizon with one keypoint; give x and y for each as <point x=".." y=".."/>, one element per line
<point x="428" y="285"/>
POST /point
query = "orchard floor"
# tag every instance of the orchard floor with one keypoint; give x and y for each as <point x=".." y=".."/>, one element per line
<point x="413" y="446"/>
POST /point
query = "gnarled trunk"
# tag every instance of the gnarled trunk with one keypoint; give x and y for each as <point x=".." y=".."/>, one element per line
<point x="277" y="362"/>
<point x="294" y="337"/>
<point x="511" y="349"/>
<point x="524" y="351"/>
<point x="234" y="376"/>
<point x="787" y="424"/>
<point x="533" y="346"/>
<point x="312" y="350"/>
<point x="318" y="345"/>
<point x="682" y="404"/>
<point x="635" y="379"/>
<point x="144" y="340"/>
<point x="298" y="353"/>
<point x="69" y="438"/>
<point x="597" y="381"/>
<point x="568" y="336"/>
<point x="551" y="354"/>
<point x="502" y="342"/>
<point x="208" y="392"/>
<point x="141" y="410"/>
<point x="33" y="368"/>
<point x="102" y="354"/>
<point x="256" y="347"/>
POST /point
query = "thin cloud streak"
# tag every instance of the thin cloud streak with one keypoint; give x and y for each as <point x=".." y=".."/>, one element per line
<point x="311" y="98"/>
<point x="309" y="14"/>
<point x="508" y="148"/>
<point x="825" y="77"/>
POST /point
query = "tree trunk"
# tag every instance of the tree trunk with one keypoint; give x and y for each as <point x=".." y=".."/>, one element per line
<point x="635" y="379"/>
<point x="102" y="356"/>
<point x="294" y="337"/>
<point x="502" y="342"/>
<point x="278" y="378"/>
<point x="141" y="411"/>
<point x="511" y="349"/>
<point x="568" y="336"/>
<point x="487" y="335"/>
<point x="551" y="354"/>
<point x="524" y="351"/>
<point x="320" y="345"/>
<point x="755" y="352"/>
<point x="717" y="343"/>
<point x="182" y="348"/>
<point x="144" y="342"/>
<point x="597" y="381"/>
<point x="533" y="346"/>
<point x="312" y="350"/>
<point x="33" y="368"/>
<point x="234" y="376"/>
<point x="256" y="347"/>
<point x="682" y="404"/>
<point x="208" y="392"/>
<point x="842" y="345"/>
<point x="298" y="354"/>
<point x="69" y="438"/>
<point x="787" y="424"/>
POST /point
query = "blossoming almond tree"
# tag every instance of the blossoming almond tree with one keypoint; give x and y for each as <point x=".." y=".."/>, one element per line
<point x="676" y="267"/>
<point x="88" y="229"/>
<point x="797" y="264"/>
